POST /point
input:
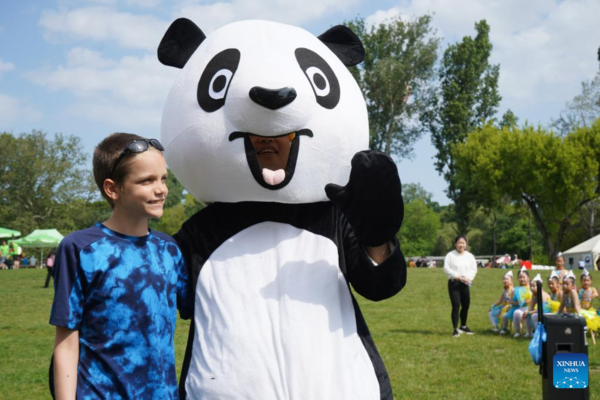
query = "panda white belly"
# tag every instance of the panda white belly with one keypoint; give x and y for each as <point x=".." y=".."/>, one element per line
<point x="274" y="320"/>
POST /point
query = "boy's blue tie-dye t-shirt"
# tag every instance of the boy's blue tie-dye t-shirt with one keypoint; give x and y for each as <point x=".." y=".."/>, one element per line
<point x="121" y="293"/>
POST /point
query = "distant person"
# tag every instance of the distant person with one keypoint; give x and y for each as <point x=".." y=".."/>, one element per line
<point x="461" y="268"/>
<point x="555" y="292"/>
<point x="50" y="267"/>
<point x="587" y="293"/>
<point x="520" y="302"/>
<point x="118" y="284"/>
<point x="570" y="300"/>
<point x="32" y="261"/>
<point x="500" y="307"/>
<point x="531" y="315"/>
<point x="15" y="254"/>
<point x="559" y="260"/>
<point x="4" y="250"/>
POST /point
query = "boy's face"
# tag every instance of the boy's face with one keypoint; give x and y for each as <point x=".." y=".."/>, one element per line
<point x="144" y="189"/>
<point x="272" y="152"/>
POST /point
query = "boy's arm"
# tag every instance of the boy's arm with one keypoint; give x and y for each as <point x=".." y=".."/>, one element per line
<point x="66" y="359"/>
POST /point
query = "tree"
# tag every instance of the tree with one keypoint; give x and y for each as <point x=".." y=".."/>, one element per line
<point x="467" y="97"/>
<point x="419" y="229"/>
<point x="40" y="179"/>
<point x="583" y="110"/>
<point x="400" y="58"/>
<point x="553" y="176"/>
<point x="414" y="191"/>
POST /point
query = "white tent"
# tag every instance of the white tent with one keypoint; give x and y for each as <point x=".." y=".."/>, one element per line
<point x="588" y="252"/>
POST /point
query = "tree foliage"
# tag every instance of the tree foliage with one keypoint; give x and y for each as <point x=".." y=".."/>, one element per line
<point x="467" y="97"/>
<point x="43" y="182"/>
<point x="400" y="58"/>
<point x="583" y="110"/>
<point x="553" y="176"/>
<point x="419" y="229"/>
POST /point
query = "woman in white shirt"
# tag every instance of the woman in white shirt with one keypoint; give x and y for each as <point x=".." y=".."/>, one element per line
<point x="461" y="268"/>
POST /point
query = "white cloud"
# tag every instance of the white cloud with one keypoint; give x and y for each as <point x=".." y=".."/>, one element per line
<point x="131" y="79"/>
<point x="102" y="24"/>
<point x="132" y="89"/>
<point x="6" y="66"/>
<point x="144" y="3"/>
<point x="544" y="48"/>
<point x="212" y="16"/>
<point x="13" y="110"/>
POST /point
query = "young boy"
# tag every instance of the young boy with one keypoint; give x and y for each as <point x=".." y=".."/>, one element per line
<point x="117" y="285"/>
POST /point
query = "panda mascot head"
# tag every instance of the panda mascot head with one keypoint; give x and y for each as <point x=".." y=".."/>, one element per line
<point x="267" y="79"/>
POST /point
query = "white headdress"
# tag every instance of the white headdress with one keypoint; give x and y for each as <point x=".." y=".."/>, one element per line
<point x="585" y="272"/>
<point x="509" y="273"/>
<point x="538" y="277"/>
<point x="554" y="274"/>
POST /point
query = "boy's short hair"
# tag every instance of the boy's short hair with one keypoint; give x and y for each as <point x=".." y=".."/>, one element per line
<point x="105" y="156"/>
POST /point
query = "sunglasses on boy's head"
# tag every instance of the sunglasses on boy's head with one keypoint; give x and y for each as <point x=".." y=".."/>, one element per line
<point x="136" y="146"/>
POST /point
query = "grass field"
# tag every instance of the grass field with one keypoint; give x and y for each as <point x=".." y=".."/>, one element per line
<point x="412" y="331"/>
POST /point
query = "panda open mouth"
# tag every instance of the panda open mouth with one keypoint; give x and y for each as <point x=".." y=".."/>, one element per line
<point x="272" y="180"/>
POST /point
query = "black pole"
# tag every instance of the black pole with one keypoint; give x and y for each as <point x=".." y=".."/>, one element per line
<point x="539" y="302"/>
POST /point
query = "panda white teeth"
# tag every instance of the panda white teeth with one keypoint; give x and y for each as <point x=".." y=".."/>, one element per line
<point x="273" y="177"/>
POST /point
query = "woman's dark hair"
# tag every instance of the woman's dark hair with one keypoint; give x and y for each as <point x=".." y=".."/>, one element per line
<point x="456" y="239"/>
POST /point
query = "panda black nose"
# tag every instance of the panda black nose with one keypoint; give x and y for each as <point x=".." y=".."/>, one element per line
<point x="272" y="99"/>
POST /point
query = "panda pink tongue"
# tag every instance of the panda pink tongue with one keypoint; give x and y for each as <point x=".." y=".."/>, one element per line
<point x="273" y="177"/>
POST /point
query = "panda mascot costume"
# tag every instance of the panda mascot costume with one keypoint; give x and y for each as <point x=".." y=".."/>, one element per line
<point x="273" y="255"/>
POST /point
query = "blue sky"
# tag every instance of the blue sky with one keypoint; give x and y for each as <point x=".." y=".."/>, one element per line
<point x="88" y="67"/>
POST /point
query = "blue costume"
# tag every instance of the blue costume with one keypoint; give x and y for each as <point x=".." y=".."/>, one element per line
<point x="120" y="292"/>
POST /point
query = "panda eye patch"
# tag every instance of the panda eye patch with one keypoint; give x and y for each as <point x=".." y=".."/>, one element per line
<point x="321" y="77"/>
<point x="216" y="78"/>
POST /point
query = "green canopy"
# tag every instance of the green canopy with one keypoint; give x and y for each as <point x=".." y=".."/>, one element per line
<point x="41" y="238"/>
<point x="8" y="233"/>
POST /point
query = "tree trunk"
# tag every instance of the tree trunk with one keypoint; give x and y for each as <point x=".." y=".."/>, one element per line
<point x="494" y="238"/>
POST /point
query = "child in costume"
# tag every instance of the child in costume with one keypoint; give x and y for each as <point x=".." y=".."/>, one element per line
<point x="519" y="303"/>
<point x="555" y="292"/>
<point x="531" y="315"/>
<point x="560" y="267"/>
<point x="117" y="284"/>
<point x="499" y="308"/>
<point x="587" y="293"/>
<point x="570" y="300"/>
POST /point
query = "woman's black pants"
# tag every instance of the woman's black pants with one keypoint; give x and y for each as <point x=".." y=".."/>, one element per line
<point x="50" y="275"/>
<point x="460" y="297"/>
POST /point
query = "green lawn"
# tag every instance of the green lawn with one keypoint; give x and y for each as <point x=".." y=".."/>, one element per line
<point x="411" y="330"/>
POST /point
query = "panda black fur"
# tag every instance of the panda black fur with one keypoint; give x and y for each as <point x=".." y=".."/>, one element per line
<point x="271" y="263"/>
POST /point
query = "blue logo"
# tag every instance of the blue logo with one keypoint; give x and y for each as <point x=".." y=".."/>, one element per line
<point x="570" y="371"/>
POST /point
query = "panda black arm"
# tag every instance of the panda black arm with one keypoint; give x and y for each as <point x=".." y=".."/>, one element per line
<point x="184" y="238"/>
<point x="374" y="282"/>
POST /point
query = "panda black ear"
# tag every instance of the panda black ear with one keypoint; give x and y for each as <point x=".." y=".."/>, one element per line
<point x="345" y="44"/>
<point x="179" y="43"/>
